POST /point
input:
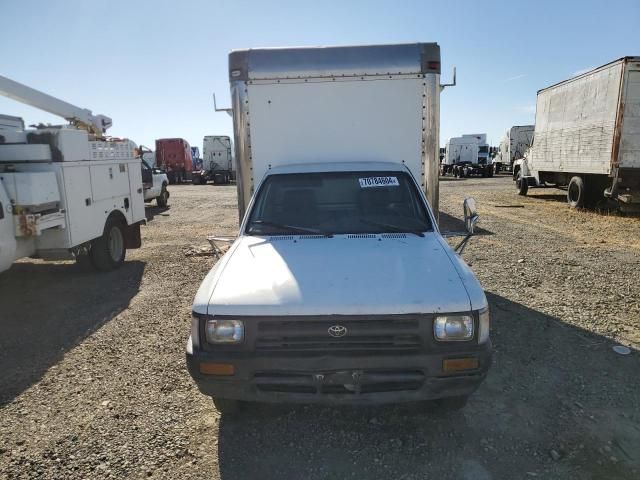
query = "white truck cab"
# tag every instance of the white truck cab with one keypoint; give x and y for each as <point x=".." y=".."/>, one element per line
<point x="340" y="287"/>
<point x="155" y="182"/>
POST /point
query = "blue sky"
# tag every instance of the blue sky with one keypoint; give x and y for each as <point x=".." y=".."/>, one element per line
<point x="153" y="65"/>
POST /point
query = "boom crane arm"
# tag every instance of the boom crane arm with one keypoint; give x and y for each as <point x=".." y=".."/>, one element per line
<point x="79" y="117"/>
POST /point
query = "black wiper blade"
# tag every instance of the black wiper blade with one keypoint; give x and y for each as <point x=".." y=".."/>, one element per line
<point x="394" y="228"/>
<point x="292" y="228"/>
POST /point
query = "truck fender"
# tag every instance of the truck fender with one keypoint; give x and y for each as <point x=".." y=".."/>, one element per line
<point x="132" y="237"/>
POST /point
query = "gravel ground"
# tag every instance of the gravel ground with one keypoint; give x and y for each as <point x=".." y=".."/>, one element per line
<point x="93" y="381"/>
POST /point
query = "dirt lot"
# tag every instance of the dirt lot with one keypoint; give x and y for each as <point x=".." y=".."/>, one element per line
<point x="93" y="381"/>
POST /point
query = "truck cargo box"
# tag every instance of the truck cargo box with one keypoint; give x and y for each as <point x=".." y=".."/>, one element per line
<point x="336" y="104"/>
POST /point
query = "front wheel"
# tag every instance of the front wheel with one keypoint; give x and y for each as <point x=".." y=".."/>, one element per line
<point x="227" y="406"/>
<point x="521" y="184"/>
<point x="163" y="198"/>
<point x="108" y="251"/>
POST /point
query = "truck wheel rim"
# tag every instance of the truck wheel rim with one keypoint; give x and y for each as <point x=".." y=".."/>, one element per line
<point x="116" y="242"/>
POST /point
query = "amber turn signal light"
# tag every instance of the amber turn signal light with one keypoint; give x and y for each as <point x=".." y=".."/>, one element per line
<point x="217" y="368"/>
<point x="458" y="364"/>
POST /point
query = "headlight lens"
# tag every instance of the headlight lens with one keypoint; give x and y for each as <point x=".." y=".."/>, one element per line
<point x="453" y="328"/>
<point x="485" y="321"/>
<point x="224" y="331"/>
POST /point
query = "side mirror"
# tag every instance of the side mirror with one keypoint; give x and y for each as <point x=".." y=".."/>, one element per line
<point x="470" y="214"/>
<point x="218" y="251"/>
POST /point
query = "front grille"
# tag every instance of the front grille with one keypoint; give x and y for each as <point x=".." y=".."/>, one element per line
<point x="339" y="383"/>
<point x="380" y="335"/>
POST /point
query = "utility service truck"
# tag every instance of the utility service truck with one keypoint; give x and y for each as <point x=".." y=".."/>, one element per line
<point x="66" y="191"/>
<point x="217" y="161"/>
<point x="587" y="137"/>
<point x="513" y="146"/>
<point x="340" y="287"/>
<point x="467" y="155"/>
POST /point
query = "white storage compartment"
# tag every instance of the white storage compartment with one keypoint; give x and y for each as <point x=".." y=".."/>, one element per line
<point x="109" y="180"/>
<point x="33" y="191"/>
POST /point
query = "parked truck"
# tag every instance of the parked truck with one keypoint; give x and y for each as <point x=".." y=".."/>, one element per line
<point x="340" y="287"/>
<point x="587" y="137"/>
<point x="173" y="155"/>
<point x="217" y="161"/>
<point x="514" y="144"/>
<point x="66" y="191"/>
<point x="154" y="180"/>
<point x="196" y="159"/>
<point x="467" y="156"/>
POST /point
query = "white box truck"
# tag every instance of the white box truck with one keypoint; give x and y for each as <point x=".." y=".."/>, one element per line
<point x="340" y="287"/>
<point x="217" y="161"/>
<point x="587" y="137"/>
<point x="66" y="191"/>
<point x="513" y="146"/>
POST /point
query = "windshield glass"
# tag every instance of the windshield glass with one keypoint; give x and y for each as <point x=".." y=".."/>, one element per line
<point x="337" y="203"/>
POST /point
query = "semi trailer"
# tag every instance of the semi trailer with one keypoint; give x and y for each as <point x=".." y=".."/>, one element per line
<point x="217" y="161"/>
<point x="66" y="191"/>
<point x="513" y="146"/>
<point x="340" y="287"/>
<point x="587" y="138"/>
<point x="173" y="155"/>
<point x="467" y="156"/>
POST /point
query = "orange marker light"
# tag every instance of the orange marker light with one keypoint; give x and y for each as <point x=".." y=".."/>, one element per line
<point x="217" y="368"/>
<point x="458" y="364"/>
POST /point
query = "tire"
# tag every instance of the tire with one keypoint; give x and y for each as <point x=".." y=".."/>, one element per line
<point x="163" y="198"/>
<point x="521" y="184"/>
<point x="451" y="404"/>
<point x="227" y="406"/>
<point x="108" y="251"/>
<point x="490" y="172"/>
<point x="576" y="193"/>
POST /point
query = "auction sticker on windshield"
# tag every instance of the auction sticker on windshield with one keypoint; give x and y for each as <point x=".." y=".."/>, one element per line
<point x="369" y="182"/>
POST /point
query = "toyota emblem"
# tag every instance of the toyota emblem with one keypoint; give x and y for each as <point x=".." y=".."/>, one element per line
<point x="337" y="331"/>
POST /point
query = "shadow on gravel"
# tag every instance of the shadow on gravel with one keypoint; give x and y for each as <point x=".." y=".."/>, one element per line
<point x="48" y="309"/>
<point x="449" y="223"/>
<point x="558" y="403"/>
<point x="151" y="211"/>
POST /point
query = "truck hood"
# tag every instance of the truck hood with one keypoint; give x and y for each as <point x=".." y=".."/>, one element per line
<point x="343" y="275"/>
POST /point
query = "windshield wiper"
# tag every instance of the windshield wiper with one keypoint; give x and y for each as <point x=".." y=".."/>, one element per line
<point x="394" y="228"/>
<point x="292" y="228"/>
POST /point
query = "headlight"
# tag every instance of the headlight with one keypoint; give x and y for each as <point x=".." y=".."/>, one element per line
<point x="453" y="328"/>
<point x="224" y="331"/>
<point x="485" y="320"/>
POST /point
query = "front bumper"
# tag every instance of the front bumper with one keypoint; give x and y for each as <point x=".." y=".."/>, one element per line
<point x="340" y="379"/>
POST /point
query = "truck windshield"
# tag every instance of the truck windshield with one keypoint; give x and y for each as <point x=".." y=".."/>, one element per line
<point x="331" y="203"/>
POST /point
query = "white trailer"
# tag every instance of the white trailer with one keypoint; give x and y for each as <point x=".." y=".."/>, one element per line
<point x="217" y="161"/>
<point x="66" y="191"/>
<point x="514" y="144"/>
<point x="483" y="147"/>
<point x="587" y="137"/>
<point x="467" y="155"/>
<point x="461" y="150"/>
